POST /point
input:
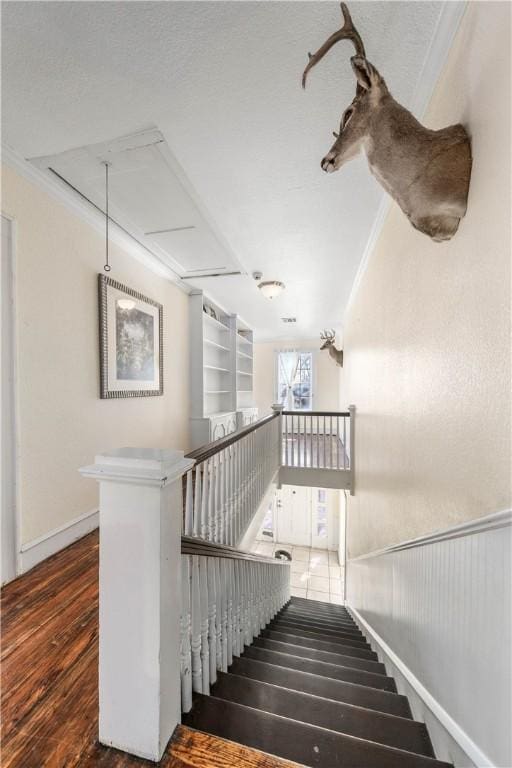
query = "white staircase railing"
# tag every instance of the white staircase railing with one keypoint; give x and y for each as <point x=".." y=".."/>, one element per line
<point x="227" y="598"/>
<point x="229" y="480"/>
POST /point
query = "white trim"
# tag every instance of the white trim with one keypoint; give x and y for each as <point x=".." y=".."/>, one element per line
<point x="453" y="728"/>
<point x="442" y="40"/>
<point x="500" y="519"/>
<point x="13" y="437"/>
<point x="45" y="546"/>
<point x="76" y="205"/>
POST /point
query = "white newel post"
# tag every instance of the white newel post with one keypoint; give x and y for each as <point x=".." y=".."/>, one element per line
<point x="140" y="593"/>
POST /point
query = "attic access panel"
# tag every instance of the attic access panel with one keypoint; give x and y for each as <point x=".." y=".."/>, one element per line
<point x="148" y="197"/>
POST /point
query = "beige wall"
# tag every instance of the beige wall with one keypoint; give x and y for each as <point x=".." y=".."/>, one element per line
<point x="427" y="347"/>
<point x="62" y="421"/>
<point x="326" y="374"/>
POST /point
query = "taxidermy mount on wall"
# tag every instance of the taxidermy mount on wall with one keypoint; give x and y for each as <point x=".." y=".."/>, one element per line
<point x="329" y="338"/>
<point x="426" y="172"/>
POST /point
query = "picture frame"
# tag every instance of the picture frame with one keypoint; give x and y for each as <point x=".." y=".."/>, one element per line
<point x="130" y="340"/>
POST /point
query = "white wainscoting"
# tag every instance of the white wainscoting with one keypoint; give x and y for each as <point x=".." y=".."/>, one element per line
<point x="437" y="611"/>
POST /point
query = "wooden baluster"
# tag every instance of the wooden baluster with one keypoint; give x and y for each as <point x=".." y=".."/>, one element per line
<point x="212" y="496"/>
<point x="337" y="442"/>
<point x="204" y="501"/>
<point x="286" y="443"/>
<point x="220" y="498"/>
<point x="218" y="615"/>
<point x="236" y="609"/>
<point x="224" y="614"/>
<point x="245" y="603"/>
<point x="197" y="673"/>
<point x="344" y="443"/>
<point x="228" y="564"/>
<point x="212" y="610"/>
<point x="198" y="500"/>
<point x="205" y="647"/>
<point x="232" y="494"/>
<point x="226" y="535"/>
<point x="330" y="442"/>
<point x="185" y="638"/>
<point x="188" y="522"/>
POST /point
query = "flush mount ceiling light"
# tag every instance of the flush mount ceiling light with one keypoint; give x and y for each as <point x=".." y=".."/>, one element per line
<point x="271" y="288"/>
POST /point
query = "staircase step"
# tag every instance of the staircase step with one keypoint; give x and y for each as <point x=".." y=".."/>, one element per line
<point x="349" y="649"/>
<point x="322" y="609"/>
<point x="189" y="747"/>
<point x="314" y="654"/>
<point x="337" y="690"/>
<point x="317" y="605"/>
<point x="343" y="718"/>
<point x="347" y="626"/>
<point x="307" y="744"/>
<point x="314" y="635"/>
<point x="321" y="629"/>
<point x="322" y="668"/>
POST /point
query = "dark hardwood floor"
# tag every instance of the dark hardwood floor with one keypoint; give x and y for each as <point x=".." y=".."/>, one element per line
<point x="49" y="677"/>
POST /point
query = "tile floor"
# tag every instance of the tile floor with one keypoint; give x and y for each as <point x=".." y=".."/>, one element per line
<point x="316" y="573"/>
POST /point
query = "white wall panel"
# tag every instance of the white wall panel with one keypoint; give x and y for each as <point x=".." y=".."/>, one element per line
<point x="442" y="605"/>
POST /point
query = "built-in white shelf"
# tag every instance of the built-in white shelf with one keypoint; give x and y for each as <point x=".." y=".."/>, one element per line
<point x="211" y="343"/>
<point x="221" y="362"/>
<point x="214" y="322"/>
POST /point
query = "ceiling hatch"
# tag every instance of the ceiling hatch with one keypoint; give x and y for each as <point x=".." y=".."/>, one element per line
<point x="149" y="197"/>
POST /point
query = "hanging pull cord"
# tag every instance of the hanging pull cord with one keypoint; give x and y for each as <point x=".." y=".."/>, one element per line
<point x="106" y="266"/>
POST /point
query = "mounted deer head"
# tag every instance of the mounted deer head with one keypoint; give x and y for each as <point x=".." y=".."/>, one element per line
<point x="426" y="172"/>
<point x="329" y="337"/>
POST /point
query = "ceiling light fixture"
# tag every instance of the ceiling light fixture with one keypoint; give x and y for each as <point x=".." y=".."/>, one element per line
<point x="271" y="288"/>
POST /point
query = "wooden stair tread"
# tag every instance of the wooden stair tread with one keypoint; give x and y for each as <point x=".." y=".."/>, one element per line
<point x="337" y="716"/>
<point x="315" y="654"/>
<point x="289" y="636"/>
<point x="337" y="690"/>
<point x="297" y="741"/>
<point x="322" y="668"/>
<point x="195" y="749"/>
<point x="319" y="633"/>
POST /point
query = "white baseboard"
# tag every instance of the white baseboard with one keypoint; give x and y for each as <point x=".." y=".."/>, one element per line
<point x="40" y="549"/>
<point x="449" y="740"/>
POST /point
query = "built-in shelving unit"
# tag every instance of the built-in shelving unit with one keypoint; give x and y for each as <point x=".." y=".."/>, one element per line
<point x="221" y="371"/>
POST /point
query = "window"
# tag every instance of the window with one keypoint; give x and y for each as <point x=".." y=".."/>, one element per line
<point x="267" y="528"/>
<point x="295" y="380"/>
<point x="321" y="515"/>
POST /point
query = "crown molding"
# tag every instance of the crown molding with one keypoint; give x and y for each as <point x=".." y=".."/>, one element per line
<point x="442" y="40"/>
<point x="79" y="207"/>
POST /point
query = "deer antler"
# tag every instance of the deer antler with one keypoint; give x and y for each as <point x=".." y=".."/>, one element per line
<point x="347" y="32"/>
<point x="327" y="335"/>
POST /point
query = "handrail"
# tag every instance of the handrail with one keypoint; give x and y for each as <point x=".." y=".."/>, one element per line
<point x="210" y="449"/>
<point x="316" y="413"/>
<point x="192" y="546"/>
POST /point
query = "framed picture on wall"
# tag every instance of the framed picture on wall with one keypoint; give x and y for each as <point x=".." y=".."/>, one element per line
<point x="131" y="342"/>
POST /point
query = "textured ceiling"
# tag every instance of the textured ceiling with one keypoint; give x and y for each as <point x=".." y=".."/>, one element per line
<point x="221" y="80"/>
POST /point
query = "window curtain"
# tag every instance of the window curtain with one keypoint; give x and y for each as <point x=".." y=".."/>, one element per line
<point x="288" y="362"/>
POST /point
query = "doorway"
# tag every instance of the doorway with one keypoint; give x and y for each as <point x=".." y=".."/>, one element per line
<point x="308" y="517"/>
<point x="7" y="390"/>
